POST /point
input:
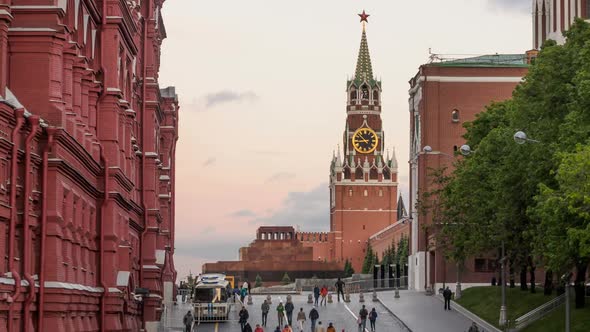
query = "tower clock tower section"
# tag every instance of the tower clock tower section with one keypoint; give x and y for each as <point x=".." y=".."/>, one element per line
<point x="363" y="177"/>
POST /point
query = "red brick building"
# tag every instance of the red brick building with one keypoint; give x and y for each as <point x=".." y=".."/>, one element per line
<point x="552" y="17"/>
<point x="443" y="96"/>
<point x="87" y="166"/>
<point x="363" y="180"/>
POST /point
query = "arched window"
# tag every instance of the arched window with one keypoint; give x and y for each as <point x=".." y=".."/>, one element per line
<point x="376" y="97"/>
<point x="380" y="192"/>
<point x="455" y="115"/>
<point x="364" y="93"/>
<point x="349" y="192"/>
<point x="366" y="193"/>
<point x="587" y="9"/>
<point x="353" y="95"/>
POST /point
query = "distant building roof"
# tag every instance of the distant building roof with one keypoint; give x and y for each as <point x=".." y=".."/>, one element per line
<point x="489" y="60"/>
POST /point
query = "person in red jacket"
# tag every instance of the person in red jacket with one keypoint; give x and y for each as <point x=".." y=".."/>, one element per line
<point x="258" y="328"/>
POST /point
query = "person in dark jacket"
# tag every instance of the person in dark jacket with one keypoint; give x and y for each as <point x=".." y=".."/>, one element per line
<point x="316" y="295"/>
<point x="340" y="288"/>
<point x="373" y="319"/>
<point x="313" y="316"/>
<point x="265" y="307"/>
<point x="188" y="321"/>
<point x="447" y="294"/>
<point x="247" y="328"/>
<point x="244" y="318"/>
<point x="289" y="307"/>
<point x="363" y="314"/>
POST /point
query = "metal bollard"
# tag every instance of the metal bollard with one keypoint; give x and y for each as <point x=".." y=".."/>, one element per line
<point x="309" y="299"/>
<point x="330" y="298"/>
<point x="361" y="297"/>
<point x="347" y="297"/>
<point x="268" y="299"/>
<point x="375" y="296"/>
<point x="396" y="293"/>
<point x="250" y="299"/>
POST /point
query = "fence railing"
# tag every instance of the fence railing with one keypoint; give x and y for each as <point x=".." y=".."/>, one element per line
<point x="370" y="285"/>
<point x="212" y="312"/>
<point x="539" y="312"/>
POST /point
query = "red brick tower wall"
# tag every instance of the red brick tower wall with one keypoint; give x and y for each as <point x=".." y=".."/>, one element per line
<point x="552" y="18"/>
<point x="321" y="243"/>
<point x="363" y="185"/>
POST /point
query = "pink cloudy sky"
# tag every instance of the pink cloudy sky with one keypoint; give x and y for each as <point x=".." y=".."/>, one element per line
<point x="262" y="91"/>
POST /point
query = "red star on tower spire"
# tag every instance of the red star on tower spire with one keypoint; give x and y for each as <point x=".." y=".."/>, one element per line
<point x="364" y="16"/>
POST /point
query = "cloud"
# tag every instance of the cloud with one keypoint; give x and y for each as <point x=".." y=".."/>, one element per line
<point x="227" y="96"/>
<point x="308" y="209"/>
<point x="523" y="6"/>
<point x="243" y="214"/>
<point x="209" y="162"/>
<point x="280" y="177"/>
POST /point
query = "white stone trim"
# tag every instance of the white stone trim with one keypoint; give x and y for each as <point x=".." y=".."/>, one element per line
<point x="473" y="79"/>
<point x="365" y="211"/>
<point x="151" y="267"/>
<point x="32" y="29"/>
<point x="123" y="278"/>
<point x="66" y="285"/>
<point x="164" y="178"/>
<point x="160" y="256"/>
<point x="363" y="183"/>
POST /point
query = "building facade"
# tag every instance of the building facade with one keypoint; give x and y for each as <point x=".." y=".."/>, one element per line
<point x="87" y="166"/>
<point x="443" y="96"/>
<point x="363" y="179"/>
<point x="552" y="17"/>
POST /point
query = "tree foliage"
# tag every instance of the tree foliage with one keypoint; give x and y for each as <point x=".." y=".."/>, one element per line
<point x="258" y="281"/>
<point x="286" y="279"/>
<point x="532" y="197"/>
<point x="348" y="270"/>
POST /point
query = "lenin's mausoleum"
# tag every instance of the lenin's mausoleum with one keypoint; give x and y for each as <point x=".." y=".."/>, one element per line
<point x="87" y="150"/>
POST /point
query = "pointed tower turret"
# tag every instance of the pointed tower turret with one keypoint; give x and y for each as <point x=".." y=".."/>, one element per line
<point x="364" y="70"/>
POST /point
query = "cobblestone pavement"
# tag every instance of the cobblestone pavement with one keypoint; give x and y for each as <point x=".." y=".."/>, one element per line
<point x="342" y="315"/>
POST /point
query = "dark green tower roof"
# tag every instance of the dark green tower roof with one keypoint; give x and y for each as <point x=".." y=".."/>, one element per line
<point x="364" y="69"/>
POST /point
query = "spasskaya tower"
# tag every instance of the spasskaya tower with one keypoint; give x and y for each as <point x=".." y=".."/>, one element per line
<point x="363" y="179"/>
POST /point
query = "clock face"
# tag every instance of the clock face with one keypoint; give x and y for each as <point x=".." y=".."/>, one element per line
<point x="365" y="140"/>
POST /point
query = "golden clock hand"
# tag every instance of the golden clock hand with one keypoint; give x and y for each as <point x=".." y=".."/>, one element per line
<point x="364" y="140"/>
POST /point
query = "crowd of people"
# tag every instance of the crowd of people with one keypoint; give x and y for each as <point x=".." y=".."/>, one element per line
<point x="285" y="313"/>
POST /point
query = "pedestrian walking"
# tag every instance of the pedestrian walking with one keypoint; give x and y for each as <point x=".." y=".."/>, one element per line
<point x="247" y="327"/>
<point x="243" y="294"/>
<point x="331" y="328"/>
<point x="316" y="295"/>
<point x="320" y="327"/>
<point x="287" y="329"/>
<point x="301" y="319"/>
<point x="340" y="288"/>
<point x="363" y="314"/>
<point x="323" y="294"/>
<point x="289" y="307"/>
<point x="187" y="320"/>
<point x="281" y="313"/>
<point x="447" y="294"/>
<point x="258" y="328"/>
<point x="265" y="307"/>
<point x="313" y="316"/>
<point x="373" y="319"/>
<point x="243" y="318"/>
<point x="278" y="329"/>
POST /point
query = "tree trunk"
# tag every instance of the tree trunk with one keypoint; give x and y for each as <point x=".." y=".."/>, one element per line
<point x="548" y="288"/>
<point x="579" y="285"/>
<point x="532" y="273"/>
<point x="523" y="285"/>
<point x="512" y="282"/>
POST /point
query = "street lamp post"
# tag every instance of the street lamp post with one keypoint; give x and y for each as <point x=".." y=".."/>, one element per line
<point x="503" y="309"/>
<point x="566" y="278"/>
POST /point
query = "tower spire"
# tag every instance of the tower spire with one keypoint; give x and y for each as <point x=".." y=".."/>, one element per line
<point x="364" y="70"/>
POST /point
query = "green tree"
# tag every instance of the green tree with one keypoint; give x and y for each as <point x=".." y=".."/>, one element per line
<point x="348" y="270"/>
<point x="369" y="260"/>
<point x="286" y="280"/>
<point x="514" y="194"/>
<point x="564" y="215"/>
<point x="258" y="281"/>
